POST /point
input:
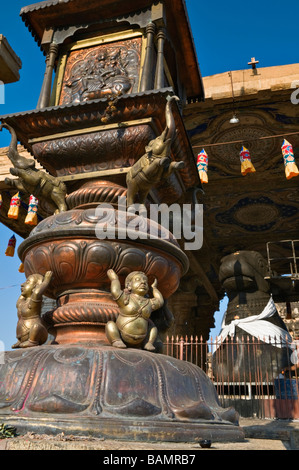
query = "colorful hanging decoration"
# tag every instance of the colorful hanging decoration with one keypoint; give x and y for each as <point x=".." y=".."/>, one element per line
<point x="290" y="166"/>
<point x="31" y="218"/>
<point x="202" y="166"/>
<point x="10" y="250"/>
<point x="21" y="268"/>
<point x="246" y="164"/>
<point x="14" y="208"/>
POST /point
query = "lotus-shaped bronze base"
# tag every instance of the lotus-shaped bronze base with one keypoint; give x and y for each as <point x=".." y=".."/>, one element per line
<point x="101" y="391"/>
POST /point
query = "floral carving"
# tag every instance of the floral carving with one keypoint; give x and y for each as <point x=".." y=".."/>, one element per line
<point x="103" y="150"/>
<point x="84" y="264"/>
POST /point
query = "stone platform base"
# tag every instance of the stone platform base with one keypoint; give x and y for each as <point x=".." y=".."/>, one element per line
<point x="129" y="430"/>
<point x="100" y="391"/>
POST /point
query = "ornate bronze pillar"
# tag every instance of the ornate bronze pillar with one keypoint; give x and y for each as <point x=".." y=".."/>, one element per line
<point x="104" y="136"/>
<point x="182" y="304"/>
<point x="148" y="66"/>
<point x="45" y="94"/>
<point x="159" y="80"/>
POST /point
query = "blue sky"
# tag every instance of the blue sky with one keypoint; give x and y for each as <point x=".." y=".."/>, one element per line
<point x="226" y="35"/>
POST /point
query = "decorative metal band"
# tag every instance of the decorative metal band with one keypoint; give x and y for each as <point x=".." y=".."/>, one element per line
<point x="95" y="195"/>
<point x="83" y="314"/>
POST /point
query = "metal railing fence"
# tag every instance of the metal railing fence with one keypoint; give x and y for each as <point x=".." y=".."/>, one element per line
<point x="237" y="369"/>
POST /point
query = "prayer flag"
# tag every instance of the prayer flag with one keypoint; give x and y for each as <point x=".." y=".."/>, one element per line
<point x="202" y="166"/>
<point x="246" y="164"/>
<point x="291" y="168"/>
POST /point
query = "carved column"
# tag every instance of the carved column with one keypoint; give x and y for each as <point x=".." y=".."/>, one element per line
<point x="204" y="321"/>
<point x="45" y="94"/>
<point x="181" y="305"/>
<point x="159" y="80"/>
<point x="146" y="80"/>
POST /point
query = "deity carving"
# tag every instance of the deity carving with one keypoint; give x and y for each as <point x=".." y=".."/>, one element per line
<point x="30" y="329"/>
<point x="155" y="165"/>
<point x="102" y="71"/>
<point x="133" y="326"/>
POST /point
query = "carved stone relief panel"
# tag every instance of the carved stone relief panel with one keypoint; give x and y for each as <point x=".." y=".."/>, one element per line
<point x="98" y="71"/>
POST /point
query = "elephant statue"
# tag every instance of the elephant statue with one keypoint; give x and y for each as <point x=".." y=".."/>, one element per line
<point x="155" y="165"/>
<point x="31" y="180"/>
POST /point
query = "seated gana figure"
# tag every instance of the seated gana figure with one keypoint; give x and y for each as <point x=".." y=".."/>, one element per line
<point x="133" y="326"/>
<point x="30" y="328"/>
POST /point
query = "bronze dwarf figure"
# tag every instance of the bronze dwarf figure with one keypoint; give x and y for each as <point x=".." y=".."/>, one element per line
<point x="133" y="326"/>
<point x="32" y="181"/>
<point x="30" y="329"/>
<point x="155" y="165"/>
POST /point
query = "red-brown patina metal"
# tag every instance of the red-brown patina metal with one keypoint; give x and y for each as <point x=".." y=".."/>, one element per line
<point x="79" y="383"/>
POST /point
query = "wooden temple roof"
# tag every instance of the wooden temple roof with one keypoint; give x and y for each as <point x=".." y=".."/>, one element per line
<point x="247" y="212"/>
<point x="10" y="63"/>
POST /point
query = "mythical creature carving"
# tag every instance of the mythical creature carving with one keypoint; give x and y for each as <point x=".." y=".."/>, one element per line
<point x="31" y="180"/>
<point x="30" y="329"/>
<point x="251" y="314"/>
<point x="156" y="165"/>
<point x="133" y="326"/>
